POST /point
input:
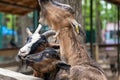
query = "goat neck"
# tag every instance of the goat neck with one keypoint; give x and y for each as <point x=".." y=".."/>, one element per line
<point x="47" y="76"/>
<point x="72" y="49"/>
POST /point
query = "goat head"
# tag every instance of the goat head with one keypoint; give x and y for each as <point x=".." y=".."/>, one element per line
<point x="47" y="58"/>
<point x="35" y="41"/>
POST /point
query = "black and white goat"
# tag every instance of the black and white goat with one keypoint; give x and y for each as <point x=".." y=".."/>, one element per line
<point x="35" y="42"/>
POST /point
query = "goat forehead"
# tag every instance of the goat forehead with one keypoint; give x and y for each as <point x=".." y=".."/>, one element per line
<point x="33" y="38"/>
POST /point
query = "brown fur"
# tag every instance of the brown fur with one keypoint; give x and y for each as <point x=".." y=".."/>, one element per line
<point x="45" y="45"/>
<point x="48" y="66"/>
<point x="71" y="49"/>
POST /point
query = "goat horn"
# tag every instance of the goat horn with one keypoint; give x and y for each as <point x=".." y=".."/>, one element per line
<point x="39" y="2"/>
<point x="64" y="6"/>
<point x="38" y="28"/>
<point x="49" y="33"/>
<point x="28" y="31"/>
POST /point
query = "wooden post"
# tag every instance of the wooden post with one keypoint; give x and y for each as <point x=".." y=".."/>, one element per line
<point x="0" y="30"/>
<point x="91" y="29"/>
<point x="118" y="42"/>
<point x="35" y="19"/>
<point x="97" y="52"/>
<point x="11" y="75"/>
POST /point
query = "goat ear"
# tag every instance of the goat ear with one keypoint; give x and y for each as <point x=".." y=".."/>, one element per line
<point x="63" y="65"/>
<point x="77" y="27"/>
<point x="28" y="31"/>
<point x="38" y="28"/>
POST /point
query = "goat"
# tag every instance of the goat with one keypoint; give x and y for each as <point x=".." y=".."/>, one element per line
<point x="72" y="50"/>
<point x="47" y="64"/>
<point x="36" y="42"/>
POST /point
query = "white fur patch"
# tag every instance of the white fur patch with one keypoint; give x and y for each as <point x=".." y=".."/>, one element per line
<point x="25" y="50"/>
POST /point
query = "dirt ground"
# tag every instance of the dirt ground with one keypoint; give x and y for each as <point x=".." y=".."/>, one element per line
<point x="111" y="76"/>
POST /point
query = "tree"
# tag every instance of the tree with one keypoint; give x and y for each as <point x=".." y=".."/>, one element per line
<point x="98" y="23"/>
<point x="77" y="6"/>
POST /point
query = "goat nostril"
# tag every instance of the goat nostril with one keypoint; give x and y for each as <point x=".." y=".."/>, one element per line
<point x="19" y="56"/>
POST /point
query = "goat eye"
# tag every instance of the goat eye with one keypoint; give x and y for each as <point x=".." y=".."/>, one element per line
<point x="47" y="54"/>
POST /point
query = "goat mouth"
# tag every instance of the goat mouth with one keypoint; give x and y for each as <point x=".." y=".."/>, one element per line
<point x="21" y="57"/>
<point x="23" y="60"/>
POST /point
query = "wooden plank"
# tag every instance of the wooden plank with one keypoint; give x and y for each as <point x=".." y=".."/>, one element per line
<point x="116" y="2"/>
<point x="9" y="52"/>
<point x="9" y="64"/>
<point x="11" y="75"/>
<point x="104" y="45"/>
<point x="12" y="6"/>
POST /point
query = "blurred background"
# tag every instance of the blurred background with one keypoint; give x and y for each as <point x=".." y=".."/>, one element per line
<point x="99" y="18"/>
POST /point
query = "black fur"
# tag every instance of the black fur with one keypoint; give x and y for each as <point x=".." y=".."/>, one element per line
<point x="39" y="56"/>
<point x="39" y="43"/>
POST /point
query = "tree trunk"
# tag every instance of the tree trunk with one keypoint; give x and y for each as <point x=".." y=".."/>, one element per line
<point x="23" y="23"/>
<point x="98" y="24"/>
<point x="77" y="6"/>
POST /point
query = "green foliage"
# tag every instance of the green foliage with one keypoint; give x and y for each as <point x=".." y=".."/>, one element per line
<point x="102" y="13"/>
<point x="107" y="12"/>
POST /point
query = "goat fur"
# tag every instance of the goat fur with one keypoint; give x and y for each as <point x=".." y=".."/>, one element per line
<point x="72" y="50"/>
<point x="47" y="65"/>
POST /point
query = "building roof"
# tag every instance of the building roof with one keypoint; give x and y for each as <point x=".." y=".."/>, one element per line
<point x="19" y="7"/>
<point x="116" y="2"/>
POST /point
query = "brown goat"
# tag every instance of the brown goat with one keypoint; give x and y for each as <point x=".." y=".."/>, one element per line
<point x="71" y="48"/>
<point x="47" y="64"/>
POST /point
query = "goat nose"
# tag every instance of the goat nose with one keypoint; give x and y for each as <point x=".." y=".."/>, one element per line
<point x="18" y="56"/>
<point x="22" y="51"/>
